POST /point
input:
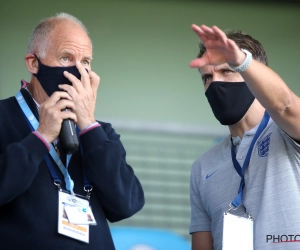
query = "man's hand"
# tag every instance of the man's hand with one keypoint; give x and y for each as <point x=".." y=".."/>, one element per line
<point x="51" y="115"/>
<point x="219" y="49"/>
<point x="83" y="93"/>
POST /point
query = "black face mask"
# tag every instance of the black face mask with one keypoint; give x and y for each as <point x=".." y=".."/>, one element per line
<point x="229" y="101"/>
<point x="51" y="77"/>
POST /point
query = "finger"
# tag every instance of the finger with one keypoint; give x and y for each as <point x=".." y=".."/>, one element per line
<point x="95" y="81"/>
<point x="69" y="89"/>
<point x="73" y="79"/>
<point x="232" y="45"/>
<point x="202" y="35"/>
<point x="199" y="29"/>
<point x="209" y="32"/>
<point x="66" y="114"/>
<point x="197" y="63"/>
<point x="195" y="27"/>
<point x="220" y="34"/>
<point x="199" y="32"/>
<point x="85" y="78"/>
<point x="55" y="97"/>
<point x="65" y="104"/>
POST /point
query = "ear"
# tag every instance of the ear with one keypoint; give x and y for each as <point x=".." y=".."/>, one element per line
<point x="31" y="63"/>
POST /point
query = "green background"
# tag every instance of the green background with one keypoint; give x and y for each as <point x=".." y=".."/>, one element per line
<point x="142" y="50"/>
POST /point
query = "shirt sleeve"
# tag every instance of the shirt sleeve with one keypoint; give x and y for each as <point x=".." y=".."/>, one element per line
<point x="200" y="220"/>
<point x="104" y="156"/>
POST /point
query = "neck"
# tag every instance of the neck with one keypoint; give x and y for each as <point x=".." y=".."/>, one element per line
<point x="37" y="91"/>
<point x="252" y="118"/>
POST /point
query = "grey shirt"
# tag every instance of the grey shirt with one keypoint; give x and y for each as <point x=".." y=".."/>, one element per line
<point x="271" y="193"/>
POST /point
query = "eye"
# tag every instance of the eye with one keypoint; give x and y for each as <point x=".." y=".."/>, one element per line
<point x="85" y="62"/>
<point x="206" y="78"/>
<point x="65" y="58"/>
<point x="227" y="71"/>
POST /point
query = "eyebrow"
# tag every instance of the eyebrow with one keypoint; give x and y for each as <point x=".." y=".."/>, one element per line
<point x="222" y="68"/>
<point x="90" y="58"/>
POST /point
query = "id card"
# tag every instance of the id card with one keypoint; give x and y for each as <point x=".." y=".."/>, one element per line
<point x="237" y="233"/>
<point x="82" y="215"/>
<point x="78" y="232"/>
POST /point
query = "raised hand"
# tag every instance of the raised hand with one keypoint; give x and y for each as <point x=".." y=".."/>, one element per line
<point x="83" y="93"/>
<point x="219" y="49"/>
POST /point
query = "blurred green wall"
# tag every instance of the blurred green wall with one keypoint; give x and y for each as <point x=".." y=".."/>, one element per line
<point x="142" y="50"/>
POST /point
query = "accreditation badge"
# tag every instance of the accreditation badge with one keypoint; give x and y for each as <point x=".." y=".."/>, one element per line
<point x="82" y="215"/>
<point x="65" y="227"/>
<point x="237" y="232"/>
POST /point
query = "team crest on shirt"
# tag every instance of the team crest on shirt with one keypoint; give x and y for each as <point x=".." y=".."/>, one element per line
<point x="263" y="146"/>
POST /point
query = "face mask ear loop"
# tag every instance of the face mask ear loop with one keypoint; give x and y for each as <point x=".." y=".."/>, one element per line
<point x="39" y="65"/>
<point x="37" y="57"/>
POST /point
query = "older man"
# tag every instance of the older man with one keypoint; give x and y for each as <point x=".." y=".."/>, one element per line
<point x="245" y="190"/>
<point x="48" y="189"/>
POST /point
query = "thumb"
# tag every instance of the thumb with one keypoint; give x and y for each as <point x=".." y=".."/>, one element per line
<point x="197" y="63"/>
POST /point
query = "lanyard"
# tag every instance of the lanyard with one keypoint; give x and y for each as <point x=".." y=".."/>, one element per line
<point x="241" y="170"/>
<point x="33" y="124"/>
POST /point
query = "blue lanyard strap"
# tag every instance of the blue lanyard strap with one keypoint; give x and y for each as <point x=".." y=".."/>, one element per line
<point x="33" y="124"/>
<point x="241" y="170"/>
<point x="47" y="159"/>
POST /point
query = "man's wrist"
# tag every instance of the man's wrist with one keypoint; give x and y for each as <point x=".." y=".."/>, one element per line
<point x="89" y="127"/>
<point x="245" y="64"/>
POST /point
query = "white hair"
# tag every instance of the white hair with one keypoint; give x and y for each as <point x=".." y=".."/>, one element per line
<point x="39" y="40"/>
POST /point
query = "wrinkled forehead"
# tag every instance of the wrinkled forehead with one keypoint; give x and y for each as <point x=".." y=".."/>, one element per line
<point x="210" y="69"/>
<point x="70" y="31"/>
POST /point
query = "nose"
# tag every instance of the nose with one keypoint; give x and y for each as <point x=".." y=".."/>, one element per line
<point x="217" y="77"/>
